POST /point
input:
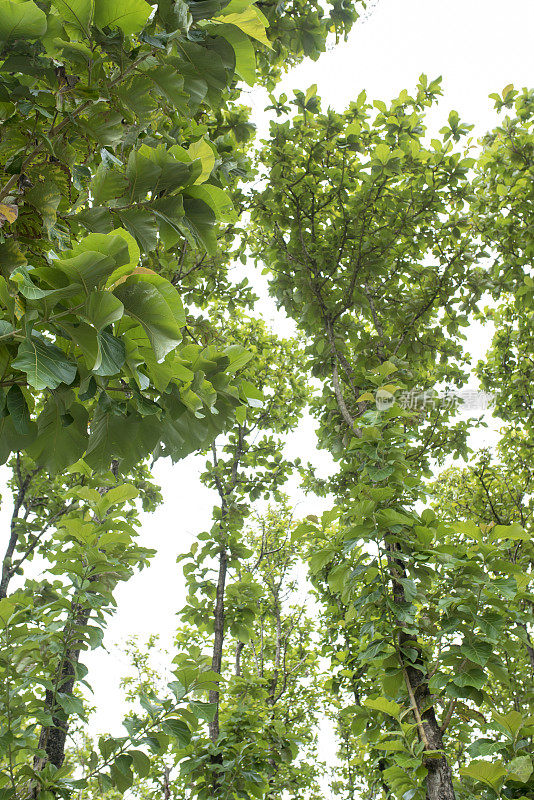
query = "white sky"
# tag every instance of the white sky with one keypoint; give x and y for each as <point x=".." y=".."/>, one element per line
<point x="478" y="46"/>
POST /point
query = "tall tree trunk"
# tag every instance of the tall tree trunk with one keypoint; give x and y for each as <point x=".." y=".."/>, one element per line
<point x="218" y="641"/>
<point x="439" y="777"/>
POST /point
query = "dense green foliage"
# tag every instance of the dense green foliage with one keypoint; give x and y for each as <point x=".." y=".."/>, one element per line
<point x="401" y="619"/>
<point x="372" y="249"/>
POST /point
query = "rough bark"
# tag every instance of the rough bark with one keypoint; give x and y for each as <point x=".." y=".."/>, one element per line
<point x="52" y="738"/>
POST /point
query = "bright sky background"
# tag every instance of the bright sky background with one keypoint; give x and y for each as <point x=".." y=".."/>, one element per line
<point x="478" y="46"/>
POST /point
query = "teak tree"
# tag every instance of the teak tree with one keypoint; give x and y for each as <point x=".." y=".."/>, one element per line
<point x="247" y="464"/>
<point x="363" y="228"/>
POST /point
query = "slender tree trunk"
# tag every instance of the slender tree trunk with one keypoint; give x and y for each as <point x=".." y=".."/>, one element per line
<point x="439" y="778"/>
<point x="218" y="641"/>
<point x="216" y="664"/>
<point x="238" y="651"/>
<point x="7" y="572"/>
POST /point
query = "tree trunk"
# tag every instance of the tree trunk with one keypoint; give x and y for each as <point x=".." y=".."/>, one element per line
<point x="238" y="651"/>
<point x="7" y="571"/>
<point x="53" y="737"/>
<point x="218" y="641"/>
<point x="439" y="778"/>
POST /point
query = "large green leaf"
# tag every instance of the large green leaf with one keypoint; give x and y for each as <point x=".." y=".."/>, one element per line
<point x="112" y="354"/>
<point x="21" y="20"/>
<point x="520" y="769"/>
<point x="217" y="199"/>
<point x="250" y="20"/>
<point x="199" y="220"/>
<point x="88" y="269"/>
<point x="383" y="704"/>
<point x="178" y="730"/>
<point x="62" y="435"/>
<point x="245" y="57"/>
<point x="102" y="308"/>
<point x="155" y="303"/>
<point x="45" y="365"/>
<point x="128" y="438"/>
<point x="490" y="773"/>
<point x="86" y="337"/>
<point x="128" y="15"/>
<point x="18" y="409"/>
<point x="140" y="223"/>
<point x="78" y="12"/>
<point x="203" y="151"/>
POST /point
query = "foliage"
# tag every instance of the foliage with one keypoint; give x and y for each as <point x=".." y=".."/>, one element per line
<point x="124" y="157"/>
<point x="370" y="250"/>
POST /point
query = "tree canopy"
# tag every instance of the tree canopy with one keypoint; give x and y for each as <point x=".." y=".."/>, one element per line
<point x="397" y="624"/>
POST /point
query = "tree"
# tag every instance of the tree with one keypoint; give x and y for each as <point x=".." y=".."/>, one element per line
<point x="270" y="696"/>
<point x="254" y="466"/>
<point x="363" y="229"/>
<point x="488" y="507"/>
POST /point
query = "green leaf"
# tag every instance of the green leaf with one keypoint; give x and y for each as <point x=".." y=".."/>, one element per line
<point x="477" y="651"/>
<point x="86" y="337"/>
<point x="512" y="721"/>
<point x="128" y="15"/>
<point x="62" y="435"/>
<point x="102" y="308"/>
<point x="141" y="762"/>
<point x="203" y="711"/>
<point x="155" y="303"/>
<point x="490" y="773"/>
<point x="117" y="495"/>
<point x="141" y="224"/>
<point x="320" y="559"/>
<point x="178" y="730"/>
<point x="87" y="269"/>
<point x="337" y="577"/>
<point x="199" y="220"/>
<point x="21" y="20"/>
<point x="239" y="356"/>
<point x="112" y="354"/>
<point x="245" y="56"/>
<point x="7" y="607"/>
<point x="70" y="704"/>
<point x="514" y="532"/>
<point x="18" y="409"/>
<point x="251" y="394"/>
<point x="382" y="153"/>
<point x="121" y="772"/>
<point x="128" y="438"/>
<point x="217" y="199"/>
<point x="45" y="365"/>
<point x="78" y="12"/>
<point x="520" y="769"/>
<point x="202" y="150"/>
<point x="383" y="704"/>
<point x="250" y="20"/>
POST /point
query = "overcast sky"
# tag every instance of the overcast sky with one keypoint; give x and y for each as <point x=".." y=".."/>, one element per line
<point x="478" y="46"/>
